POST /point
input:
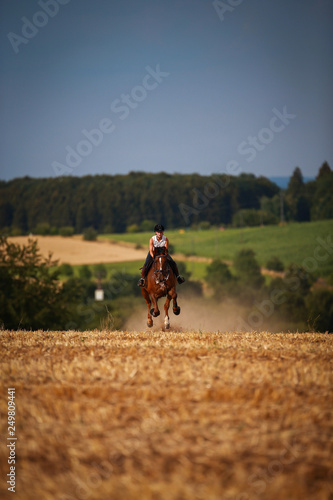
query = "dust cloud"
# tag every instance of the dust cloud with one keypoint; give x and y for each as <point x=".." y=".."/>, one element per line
<point x="196" y="314"/>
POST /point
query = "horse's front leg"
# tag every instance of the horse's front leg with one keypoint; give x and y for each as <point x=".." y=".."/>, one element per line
<point x="175" y="307"/>
<point x="166" y="311"/>
<point x="154" y="311"/>
<point x="148" y="301"/>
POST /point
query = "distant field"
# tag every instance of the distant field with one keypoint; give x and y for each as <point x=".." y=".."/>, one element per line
<point x="76" y="251"/>
<point x="168" y="415"/>
<point x="291" y="243"/>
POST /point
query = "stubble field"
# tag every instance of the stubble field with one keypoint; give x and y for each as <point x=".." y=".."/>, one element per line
<point x="168" y="415"/>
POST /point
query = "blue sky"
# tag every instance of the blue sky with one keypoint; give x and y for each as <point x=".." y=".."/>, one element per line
<point x="178" y="86"/>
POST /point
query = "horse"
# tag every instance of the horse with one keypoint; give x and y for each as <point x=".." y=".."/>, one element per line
<point x="160" y="282"/>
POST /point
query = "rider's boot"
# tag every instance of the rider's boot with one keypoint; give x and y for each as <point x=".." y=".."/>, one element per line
<point x="180" y="279"/>
<point x="141" y="281"/>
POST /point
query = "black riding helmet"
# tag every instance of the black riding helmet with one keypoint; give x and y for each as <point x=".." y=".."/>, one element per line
<point x="158" y="228"/>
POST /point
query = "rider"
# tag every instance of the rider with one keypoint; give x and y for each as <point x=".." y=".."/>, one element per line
<point x="158" y="241"/>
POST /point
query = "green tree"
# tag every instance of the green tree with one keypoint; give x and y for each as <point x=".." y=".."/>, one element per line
<point x="220" y="279"/>
<point x="100" y="271"/>
<point x="85" y="272"/>
<point x="324" y="171"/>
<point x="248" y="269"/>
<point x="31" y="296"/>
<point x="66" y="270"/>
<point x="296" y="197"/>
<point x="320" y="192"/>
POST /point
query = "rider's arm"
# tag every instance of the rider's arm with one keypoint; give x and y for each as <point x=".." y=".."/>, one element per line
<point x="167" y="244"/>
<point x="151" y="247"/>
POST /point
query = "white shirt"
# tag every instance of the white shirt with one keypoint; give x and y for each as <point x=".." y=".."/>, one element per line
<point x="159" y="244"/>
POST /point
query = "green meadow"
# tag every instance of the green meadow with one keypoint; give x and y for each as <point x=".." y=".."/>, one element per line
<point x="309" y="244"/>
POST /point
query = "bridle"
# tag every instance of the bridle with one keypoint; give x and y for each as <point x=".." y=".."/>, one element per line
<point x="161" y="269"/>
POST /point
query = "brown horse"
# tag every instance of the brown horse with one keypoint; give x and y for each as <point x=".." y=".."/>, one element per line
<point x="160" y="282"/>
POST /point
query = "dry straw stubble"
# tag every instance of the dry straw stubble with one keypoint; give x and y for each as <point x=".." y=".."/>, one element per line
<point x="169" y="415"/>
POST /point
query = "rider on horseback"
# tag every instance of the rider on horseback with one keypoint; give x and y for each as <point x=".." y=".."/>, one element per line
<point x="158" y="241"/>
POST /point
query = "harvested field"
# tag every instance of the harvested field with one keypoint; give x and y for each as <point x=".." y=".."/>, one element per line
<point x="168" y="415"/>
<point x="76" y="251"/>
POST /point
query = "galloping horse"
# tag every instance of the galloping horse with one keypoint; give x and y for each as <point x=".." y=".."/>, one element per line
<point x="160" y="282"/>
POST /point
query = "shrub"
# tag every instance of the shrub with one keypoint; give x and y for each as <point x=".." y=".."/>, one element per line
<point x="320" y="310"/>
<point x="147" y="225"/>
<point x="90" y="234"/>
<point x="16" y="231"/>
<point x="220" y="279"/>
<point x="66" y="269"/>
<point x="204" y="225"/>
<point x="275" y="264"/>
<point x="252" y="217"/>
<point x="43" y="228"/>
<point x="100" y="271"/>
<point x="133" y="228"/>
<point x="108" y="229"/>
<point x="66" y="231"/>
<point x="85" y="273"/>
<point x="248" y="269"/>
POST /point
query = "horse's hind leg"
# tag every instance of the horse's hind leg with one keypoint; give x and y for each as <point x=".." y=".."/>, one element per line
<point x="148" y="301"/>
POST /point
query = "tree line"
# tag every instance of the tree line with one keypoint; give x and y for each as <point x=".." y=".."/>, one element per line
<point x="137" y="200"/>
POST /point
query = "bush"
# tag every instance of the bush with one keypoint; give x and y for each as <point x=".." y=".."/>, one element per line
<point x="147" y="225"/>
<point x="16" y="231"/>
<point x="100" y="271"/>
<point x="220" y="279"/>
<point x="204" y="225"/>
<point x="43" y="228"/>
<point x="320" y="310"/>
<point x="66" y="231"/>
<point x="133" y="228"/>
<point x="66" y="269"/>
<point x="248" y="269"/>
<point x="275" y="264"/>
<point x="85" y="273"/>
<point x="90" y="234"/>
<point x="251" y="217"/>
<point x="108" y="229"/>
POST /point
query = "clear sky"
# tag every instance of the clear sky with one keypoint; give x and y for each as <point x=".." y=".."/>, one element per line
<point x="106" y="86"/>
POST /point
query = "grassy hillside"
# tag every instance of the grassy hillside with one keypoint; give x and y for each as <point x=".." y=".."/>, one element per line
<point x="165" y="416"/>
<point x="295" y="242"/>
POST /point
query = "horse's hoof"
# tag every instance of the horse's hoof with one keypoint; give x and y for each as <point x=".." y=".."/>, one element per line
<point x="149" y="324"/>
<point x="176" y="311"/>
<point x="152" y="312"/>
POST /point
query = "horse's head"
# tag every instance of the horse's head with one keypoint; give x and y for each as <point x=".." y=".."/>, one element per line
<point x="161" y="266"/>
